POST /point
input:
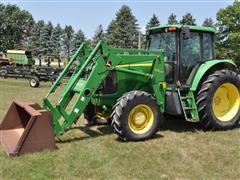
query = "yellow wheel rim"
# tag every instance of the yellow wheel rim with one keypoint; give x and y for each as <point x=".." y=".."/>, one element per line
<point x="226" y="102"/>
<point x="140" y="119"/>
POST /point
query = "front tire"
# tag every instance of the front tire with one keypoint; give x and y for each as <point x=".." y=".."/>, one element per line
<point x="218" y="100"/>
<point x="136" y="116"/>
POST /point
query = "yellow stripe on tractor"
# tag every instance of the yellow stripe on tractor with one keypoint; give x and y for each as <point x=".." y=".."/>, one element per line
<point x="135" y="65"/>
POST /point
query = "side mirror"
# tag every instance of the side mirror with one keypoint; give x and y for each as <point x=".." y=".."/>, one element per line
<point x="185" y="32"/>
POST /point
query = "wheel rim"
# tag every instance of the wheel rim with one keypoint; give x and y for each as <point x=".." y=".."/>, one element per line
<point x="226" y="102"/>
<point x="33" y="82"/>
<point x="140" y="119"/>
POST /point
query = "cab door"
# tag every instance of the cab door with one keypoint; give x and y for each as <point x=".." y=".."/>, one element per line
<point x="190" y="56"/>
<point x="194" y="51"/>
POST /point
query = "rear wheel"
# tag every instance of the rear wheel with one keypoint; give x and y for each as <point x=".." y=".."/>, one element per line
<point x="218" y="100"/>
<point x="136" y="116"/>
<point x="34" y="82"/>
<point x="4" y="74"/>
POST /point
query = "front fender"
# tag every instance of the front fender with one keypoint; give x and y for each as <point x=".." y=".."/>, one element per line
<point x="205" y="67"/>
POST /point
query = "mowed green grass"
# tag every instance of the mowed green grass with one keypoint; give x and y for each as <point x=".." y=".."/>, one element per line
<point x="180" y="150"/>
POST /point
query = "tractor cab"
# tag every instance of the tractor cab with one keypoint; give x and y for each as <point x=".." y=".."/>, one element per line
<point x="185" y="48"/>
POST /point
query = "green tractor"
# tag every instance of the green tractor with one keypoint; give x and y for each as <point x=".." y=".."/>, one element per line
<point x="133" y="89"/>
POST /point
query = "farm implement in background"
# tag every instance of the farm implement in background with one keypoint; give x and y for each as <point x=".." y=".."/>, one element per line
<point x="19" y="64"/>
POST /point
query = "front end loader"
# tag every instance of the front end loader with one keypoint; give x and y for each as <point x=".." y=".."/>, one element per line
<point x="133" y="90"/>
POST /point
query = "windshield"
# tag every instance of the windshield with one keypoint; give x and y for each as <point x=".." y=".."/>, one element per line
<point x="165" y="41"/>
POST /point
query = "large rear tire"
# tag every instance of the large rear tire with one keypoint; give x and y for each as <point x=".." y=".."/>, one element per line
<point x="218" y="100"/>
<point x="136" y="116"/>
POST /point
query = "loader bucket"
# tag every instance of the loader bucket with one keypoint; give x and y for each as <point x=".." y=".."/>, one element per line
<point x="26" y="129"/>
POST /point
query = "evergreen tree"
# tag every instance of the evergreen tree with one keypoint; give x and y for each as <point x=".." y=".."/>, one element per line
<point x="99" y="34"/>
<point x="110" y="34"/>
<point x="45" y="48"/>
<point x="55" y="43"/>
<point x="34" y="40"/>
<point x="68" y="33"/>
<point x="46" y="32"/>
<point x="123" y="30"/>
<point x="153" y="22"/>
<point x="208" y="22"/>
<point x="78" y="39"/>
<point x="188" y="19"/>
<point x="172" y="19"/>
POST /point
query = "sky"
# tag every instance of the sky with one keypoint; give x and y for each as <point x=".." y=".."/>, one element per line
<point x="88" y="14"/>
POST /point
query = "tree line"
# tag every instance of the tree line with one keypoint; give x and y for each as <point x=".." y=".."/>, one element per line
<point x="18" y="30"/>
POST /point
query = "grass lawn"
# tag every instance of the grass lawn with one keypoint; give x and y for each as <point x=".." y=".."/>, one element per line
<point x="180" y="150"/>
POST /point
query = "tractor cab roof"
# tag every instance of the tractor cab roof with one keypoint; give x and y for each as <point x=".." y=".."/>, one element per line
<point x="179" y="26"/>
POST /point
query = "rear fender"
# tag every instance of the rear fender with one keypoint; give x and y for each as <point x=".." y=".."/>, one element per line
<point x="209" y="66"/>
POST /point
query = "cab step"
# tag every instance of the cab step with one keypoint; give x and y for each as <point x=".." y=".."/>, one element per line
<point x="188" y="104"/>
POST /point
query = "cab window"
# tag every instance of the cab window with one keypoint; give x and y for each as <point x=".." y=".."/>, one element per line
<point x="190" y="55"/>
<point x="207" y="46"/>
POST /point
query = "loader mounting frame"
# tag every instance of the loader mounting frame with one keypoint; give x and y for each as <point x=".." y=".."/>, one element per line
<point x="100" y="61"/>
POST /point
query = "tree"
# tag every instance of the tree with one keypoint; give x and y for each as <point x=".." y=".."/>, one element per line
<point x="208" y="22"/>
<point x="55" y="43"/>
<point x="153" y="22"/>
<point x="45" y="48"/>
<point x="99" y="34"/>
<point x="34" y="40"/>
<point x="188" y="19"/>
<point x="67" y="40"/>
<point x="14" y="27"/>
<point x="78" y="39"/>
<point x="111" y="34"/>
<point x="228" y="25"/>
<point x="172" y="19"/>
<point x="123" y="30"/>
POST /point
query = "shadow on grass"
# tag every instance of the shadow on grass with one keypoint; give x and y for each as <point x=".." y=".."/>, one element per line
<point x="176" y="124"/>
<point x="155" y="136"/>
<point x="101" y="131"/>
<point x="179" y="124"/>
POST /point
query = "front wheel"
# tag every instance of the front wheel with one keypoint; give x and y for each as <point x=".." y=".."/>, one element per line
<point x="218" y="100"/>
<point x="136" y="116"/>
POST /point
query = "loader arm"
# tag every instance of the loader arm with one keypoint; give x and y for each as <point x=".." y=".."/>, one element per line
<point x="28" y="127"/>
<point x="93" y="67"/>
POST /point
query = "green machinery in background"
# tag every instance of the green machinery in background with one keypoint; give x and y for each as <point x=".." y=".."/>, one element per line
<point x="20" y="64"/>
<point x="21" y="57"/>
<point x="133" y="89"/>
